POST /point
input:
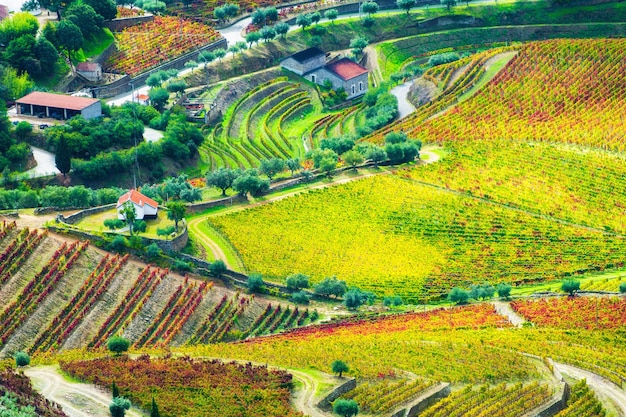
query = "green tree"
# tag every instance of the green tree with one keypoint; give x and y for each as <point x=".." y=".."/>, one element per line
<point x="85" y="17"/>
<point x="62" y="158"/>
<point x="113" y="224"/>
<point x="140" y="226"/>
<point x="271" y="167"/>
<point x="231" y="9"/>
<point x="570" y="286"/>
<point x="129" y="214"/>
<point x="297" y="282"/>
<point x="358" y="44"/>
<point x="392" y="301"/>
<point x="267" y="33"/>
<point x="353" y="158"/>
<point x="105" y="8"/>
<point x="281" y="29"/>
<point x="176" y="211"/>
<point x="217" y="268"/>
<point x="119" y="406"/>
<point x="253" y="37"/>
<point x="293" y="165"/>
<point x="258" y="17"/>
<point x="622" y="287"/>
<point x="271" y="14"/>
<point x="118" y="345"/>
<point x="249" y="182"/>
<point x="331" y="14"/>
<point x="207" y="57"/>
<point x="153" y="251"/>
<point x="504" y="290"/>
<point x="219" y="13"/>
<point x="177" y="86"/>
<point x="369" y="7"/>
<point x="255" y="283"/>
<point x="300" y="297"/>
<point x="406" y="5"/>
<point x="303" y="20"/>
<point x="158" y="97"/>
<point x="154" y="409"/>
<point x="23" y="130"/>
<point x="345" y="408"/>
<point x="355" y="298"/>
<point x="21" y="359"/>
<point x="376" y="155"/>
<point x="114" y="390"/>
<point x="330" y="286"/>
<point x="458" y="295"/>
<point x="339" y="367"/>
<point x="315" y="17"/>
<point x="328" y="165"/>
<point x="220" y="53"/>
<point x="222" y="178"/>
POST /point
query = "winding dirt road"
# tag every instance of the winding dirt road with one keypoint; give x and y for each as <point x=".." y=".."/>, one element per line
<point x="604" y="389"/>
<point x="76" y="399"/>
<point x="504" y="309"/>
<point x="305" y="399"/>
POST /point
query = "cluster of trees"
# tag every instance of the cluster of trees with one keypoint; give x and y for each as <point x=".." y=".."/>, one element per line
<point x="244" y="182"/>
<point x="266" y="20"/>
<point x="478" y="292"/>
<point x="12" y="152"/>
<point x="382" y="108"/>
<point x="57" y="196"/>
<point x="226" y="12"/>
<point x="180" y="142"/>
<point x="173" y="188"/>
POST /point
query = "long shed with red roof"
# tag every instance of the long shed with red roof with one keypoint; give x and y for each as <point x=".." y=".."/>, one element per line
<point x="59" y="106"/>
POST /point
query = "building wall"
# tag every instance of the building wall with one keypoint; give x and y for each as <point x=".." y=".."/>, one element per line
<point x="319" y="76"/>
<point x="355" y="82"/>
<point x="95" y="110"/>
<point x="302" y="68"/>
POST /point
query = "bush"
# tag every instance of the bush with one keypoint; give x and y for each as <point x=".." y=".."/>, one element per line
<point x="255" y="283"/>
<point x="297" y="281"/>
<point x="622" y="287"/>
<point x="570" y="286"/>
<point x="444" y="58"/>
<point x="482" y="292"/>
<point x="331" y="286"/>
<point x="182" y="266"/>
<point x="217" y="268"/>
<point x="118" y="345"/>
<point x="504" y="290"/>
<point x="300" y="297"/>
<point x="392" y="301"/>
<point x="345" y="408"/>
<point x="140" y="226"/>
<point x="458" y="295"/>
<point x="118" y="406"/>
<point x="21" y="359"/>
<point x="153" y="251"/>
<point x="355" y="298"/>
<point x="166" y="231"/>
<point x="118" y="244"/>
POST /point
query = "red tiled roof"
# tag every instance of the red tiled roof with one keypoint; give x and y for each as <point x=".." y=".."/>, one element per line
<point x="346" y="68"/>
<point x="88" y="66"/>
<point x="137" y="198"/>
<point x="60" y="101"/>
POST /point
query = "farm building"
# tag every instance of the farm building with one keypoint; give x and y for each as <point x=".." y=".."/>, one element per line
<point x="144" y="206"/>
<point x="92" y="71"/>
<point x="58" y="106"/>
<point x="343" y="73"/>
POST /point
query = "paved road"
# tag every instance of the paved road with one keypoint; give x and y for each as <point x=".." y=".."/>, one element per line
<point x="45" y="163"/>
<point x="404" y="105"/>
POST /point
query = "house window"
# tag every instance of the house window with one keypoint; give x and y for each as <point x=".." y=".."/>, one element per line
<point x="353" y="89"/>
<point x="313" y="78"/>
<point x="360" y="86"/>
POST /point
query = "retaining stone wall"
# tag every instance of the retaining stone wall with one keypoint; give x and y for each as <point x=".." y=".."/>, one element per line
<point x="349" y="385"/>
<point x="76" y="217"/>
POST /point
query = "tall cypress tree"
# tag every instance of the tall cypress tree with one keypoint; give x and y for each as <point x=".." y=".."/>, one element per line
<point x="115" y="390"/>
<point x="63" y="159"/>
<point x="154" y="412"/>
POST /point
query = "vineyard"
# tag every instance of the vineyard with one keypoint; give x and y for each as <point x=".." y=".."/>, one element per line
<point x="145" y="46"/>
<point x="586" y="187"/>
<point x="582" y="402"/>
<point x="80" y="298"/>
<point x="379" y="397"/>
<point x="567" y="91"/>
<point x="189" y="387"/>
<point x="258" y="127"/>
<point x="18" y="398"/>
<point x="575" y="313"/>
<point x="394" y="236"/>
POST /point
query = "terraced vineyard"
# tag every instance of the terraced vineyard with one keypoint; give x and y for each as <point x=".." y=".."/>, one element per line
<point x="395" y="236"/>
<point x="80" y="298"/>
<point x="585" y="186"/>
<point x="607" y="284"/>
<point x="582" y="402"/>
<point x="254" y="127"/>
<point x="379" y="397"/>
<point x="568" y="91"/>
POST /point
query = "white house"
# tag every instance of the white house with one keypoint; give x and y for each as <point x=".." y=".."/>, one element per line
<point x="144" y="206"/>
<point x="90" y="70"/>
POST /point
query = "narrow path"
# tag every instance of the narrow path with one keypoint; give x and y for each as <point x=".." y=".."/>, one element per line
<point x="45" y="163"/>
<point x="404" y="105"/>
<point x="604" y="389"/>
<point x="305" y="399"/>
<point x="193" y="226"/>
<point x="504" y="309"/>
<point x="76" y="399"/>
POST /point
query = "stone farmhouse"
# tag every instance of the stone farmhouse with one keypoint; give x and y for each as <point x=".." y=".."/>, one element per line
<point x="342" y="73"/>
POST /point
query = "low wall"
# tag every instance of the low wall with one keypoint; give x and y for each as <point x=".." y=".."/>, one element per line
<point x="228" y="201"/>
<point x="117" y="25"/>
<point x="556" y="404"/>
<point x="124" y="85"/>
<point x="326" y="405"/>
<point x="78" y="216"/>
